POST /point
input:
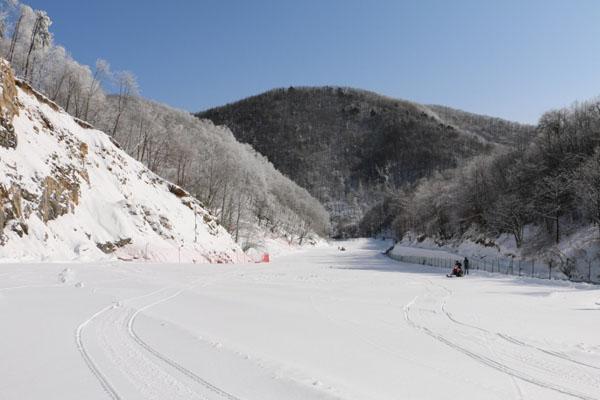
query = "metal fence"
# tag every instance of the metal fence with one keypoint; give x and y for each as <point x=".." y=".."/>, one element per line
<point x="504" y="265"/>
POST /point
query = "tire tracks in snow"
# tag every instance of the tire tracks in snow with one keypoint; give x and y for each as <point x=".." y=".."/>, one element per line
<point x="104" y="382"/>
<point x="513" y="340"/>
<point x="550" y="371"/>
<point x="142" y="373"/>
<point x="555" y="356"/>
<point x="384" y="349"/>
<point x="549" y="352"/>
<point x="488" y="343"/>
<point x="106" y="386"/>
<point x="167" y="360"/>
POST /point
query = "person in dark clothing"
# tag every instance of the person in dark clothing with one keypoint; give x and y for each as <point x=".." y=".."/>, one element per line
<point x="456" y="270"/>
<point x="466" y="265"/>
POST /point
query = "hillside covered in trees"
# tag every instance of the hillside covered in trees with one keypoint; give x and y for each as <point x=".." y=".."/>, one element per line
<point x="347" y="147"/>
<point x="538" y="193"/>
<point x="235" y="182"/>
<point x="249" y="197"/>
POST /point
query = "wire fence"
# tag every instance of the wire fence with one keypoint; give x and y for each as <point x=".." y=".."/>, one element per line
<point x="509" y="266"/>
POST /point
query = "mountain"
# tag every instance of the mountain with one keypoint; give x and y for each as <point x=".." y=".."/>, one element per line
<point x="491" y="129"/>
<point x="345" y="146"/>
<point x="68" y="192"/>
<point x="261" y="208"/>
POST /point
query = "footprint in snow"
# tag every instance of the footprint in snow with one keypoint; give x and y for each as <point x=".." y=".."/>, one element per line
<point x="67" y="275"/>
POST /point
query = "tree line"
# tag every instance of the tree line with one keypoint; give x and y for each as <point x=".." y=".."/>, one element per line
<point x="538" y="190"/>
<point x="346" y="145"/>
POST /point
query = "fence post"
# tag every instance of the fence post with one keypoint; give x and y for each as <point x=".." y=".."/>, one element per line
<point x="550" y="269"/>
<point x="519" y="267"/>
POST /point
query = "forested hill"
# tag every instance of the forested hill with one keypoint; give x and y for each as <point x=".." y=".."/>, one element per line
<point x="343" y="145"/>
<point x="493" y="129"/>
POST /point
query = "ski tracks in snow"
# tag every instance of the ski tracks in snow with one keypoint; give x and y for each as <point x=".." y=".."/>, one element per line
<point x="140" y="371"/>
<point x="549" y="370"/>
<point x="130" y="328"/>
<point x="106" y="386"/>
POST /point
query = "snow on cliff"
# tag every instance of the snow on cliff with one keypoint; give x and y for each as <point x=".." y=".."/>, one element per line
<point x="67" y="192"/>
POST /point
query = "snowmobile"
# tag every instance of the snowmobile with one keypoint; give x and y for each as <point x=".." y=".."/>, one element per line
<point x="457" y="271"/>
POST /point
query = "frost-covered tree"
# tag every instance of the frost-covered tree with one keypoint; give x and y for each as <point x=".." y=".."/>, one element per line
<point x="588" y="187"/>
<point x="127" y="87"/>
<point x="41" y="38"/>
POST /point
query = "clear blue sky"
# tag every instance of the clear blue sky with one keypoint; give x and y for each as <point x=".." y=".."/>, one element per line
<point x="508" y="58"/>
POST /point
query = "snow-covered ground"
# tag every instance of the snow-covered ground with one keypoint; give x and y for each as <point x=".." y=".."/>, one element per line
<point x="316" y="324"/>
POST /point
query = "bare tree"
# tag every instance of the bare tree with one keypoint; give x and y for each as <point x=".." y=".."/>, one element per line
<point x="102" y="72"/>
<point x="40" y="37"/>
<point x="588" y="188"/>
<point x="127" y="87"/>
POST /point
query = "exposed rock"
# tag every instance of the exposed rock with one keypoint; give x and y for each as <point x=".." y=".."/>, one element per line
<point x="110" y="247"/>
<point x="164" y="221"/>
<point x="8" y="107"/>
<point x="47" y="124"/>
<point x="3" y="219"/>
<point x="40" y="97"/>
<point x="177" y="191"/>
<point x="83" y="149"/>
<point x="114" y="141"/>
<point x="59" y="197"/>
<point x="10" y="203"/>
<point x="20" y="228"/>
<point x="83" y="124"/>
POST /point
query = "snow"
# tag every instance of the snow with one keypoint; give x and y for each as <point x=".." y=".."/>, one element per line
<point x="118" y="199"/>
<point x="315" y="324"/>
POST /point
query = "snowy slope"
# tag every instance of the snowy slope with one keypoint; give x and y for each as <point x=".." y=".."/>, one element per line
<point x="319" y="324"/>
<point x="68" y="193"/>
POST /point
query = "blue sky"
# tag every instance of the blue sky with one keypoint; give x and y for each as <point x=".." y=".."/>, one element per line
<point x="512" y="59"/>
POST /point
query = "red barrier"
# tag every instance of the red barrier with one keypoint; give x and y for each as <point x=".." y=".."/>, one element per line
<point x="264" y="259"/>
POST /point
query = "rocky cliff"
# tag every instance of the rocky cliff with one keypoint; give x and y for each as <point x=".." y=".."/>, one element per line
<point x="67" y="192"/>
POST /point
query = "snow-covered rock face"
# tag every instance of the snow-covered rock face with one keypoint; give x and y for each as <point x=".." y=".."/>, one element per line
<point x="8" y="106"/>
<point x="67" y="192"/>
